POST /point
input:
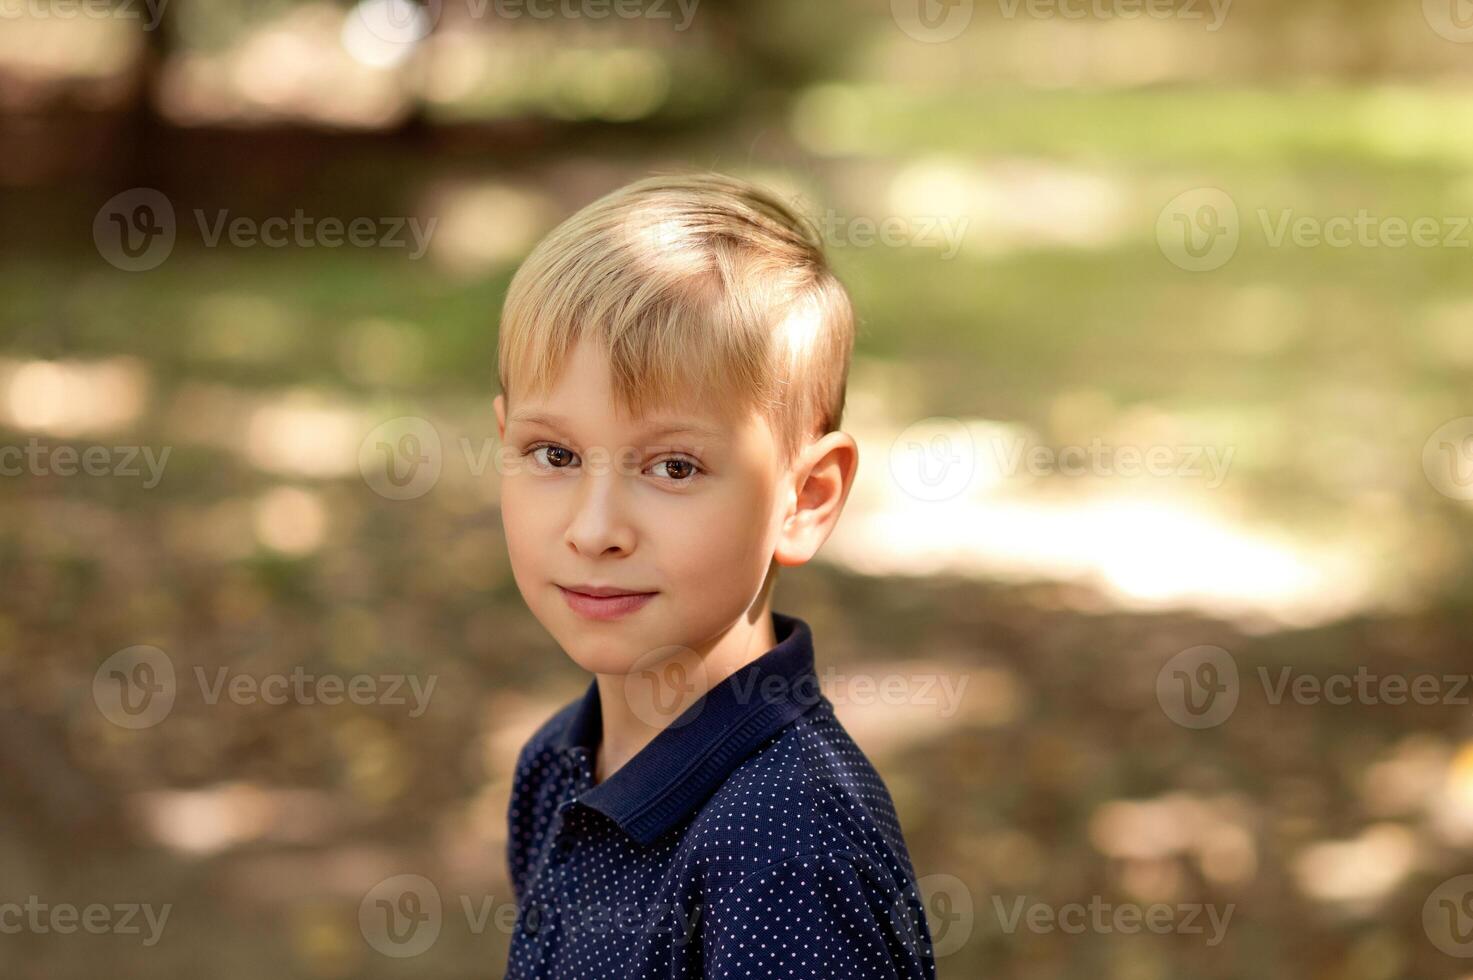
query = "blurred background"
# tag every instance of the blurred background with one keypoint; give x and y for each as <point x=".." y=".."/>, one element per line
<point x="1162" y="390"/>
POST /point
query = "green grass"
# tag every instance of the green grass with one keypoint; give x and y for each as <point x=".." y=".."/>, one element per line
<point x="1380" y="128"/>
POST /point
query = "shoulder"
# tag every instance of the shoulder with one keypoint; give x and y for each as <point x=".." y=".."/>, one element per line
<point x="872" y="926"/>
<point x="802" y="841"/>
<point x="810" y="790"/>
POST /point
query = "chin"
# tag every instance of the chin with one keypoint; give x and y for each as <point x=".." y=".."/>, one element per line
<point x="601" y="658"/>
<point x="597" y="654"/>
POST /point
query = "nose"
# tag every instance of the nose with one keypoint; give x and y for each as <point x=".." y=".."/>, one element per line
<point x="600" y="524"/>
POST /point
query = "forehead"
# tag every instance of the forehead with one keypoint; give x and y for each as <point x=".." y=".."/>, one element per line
<point x="541" y="414"/>
<point x="582" y="400"/>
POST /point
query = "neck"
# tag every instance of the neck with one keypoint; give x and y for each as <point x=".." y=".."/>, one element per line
<point x="639" y="705"/>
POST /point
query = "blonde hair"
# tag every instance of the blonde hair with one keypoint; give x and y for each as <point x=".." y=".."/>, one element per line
<point x="701" y="289"/>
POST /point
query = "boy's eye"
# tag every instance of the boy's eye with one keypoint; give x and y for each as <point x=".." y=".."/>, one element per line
<point x="557" y="456"/>
<point x="678" y="469"/>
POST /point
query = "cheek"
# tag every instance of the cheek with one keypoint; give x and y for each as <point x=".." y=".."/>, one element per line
<point x="721" y="540"/>
<point x="523" y="520"/>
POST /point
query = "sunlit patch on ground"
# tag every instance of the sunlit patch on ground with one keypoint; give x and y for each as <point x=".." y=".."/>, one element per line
<point x="1216" y="834"/>
<point x="1355" y="875"/>
<point x="888" y="707"/>
<point x="71" y="398"/>
<point x="1146" y="541"/>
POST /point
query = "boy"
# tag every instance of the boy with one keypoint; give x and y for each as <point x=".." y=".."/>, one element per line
<point x="672" y="362"/>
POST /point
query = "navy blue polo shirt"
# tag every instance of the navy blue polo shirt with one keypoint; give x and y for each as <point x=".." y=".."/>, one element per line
<point x="750" y="838"/>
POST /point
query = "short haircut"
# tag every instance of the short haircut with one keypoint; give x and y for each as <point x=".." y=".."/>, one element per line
<point x="702" y="290"/>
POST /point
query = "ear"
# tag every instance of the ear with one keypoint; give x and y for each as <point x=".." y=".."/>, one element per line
<point x="824" y="475"/>
<point x="500" y="404"/>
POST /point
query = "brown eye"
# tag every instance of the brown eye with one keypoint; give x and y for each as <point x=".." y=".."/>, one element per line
<point x="557" y="456"/>
<point x="678" y="469"/>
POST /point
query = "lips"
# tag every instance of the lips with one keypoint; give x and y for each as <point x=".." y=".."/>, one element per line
<point x="613" y="604"/>
<point x="605" y="591"/>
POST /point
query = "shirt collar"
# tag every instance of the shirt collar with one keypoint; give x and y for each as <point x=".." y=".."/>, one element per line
<point x="685" y="762"/>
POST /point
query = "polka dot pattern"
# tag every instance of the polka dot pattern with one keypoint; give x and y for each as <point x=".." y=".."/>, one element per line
<point x="755" y="840"/>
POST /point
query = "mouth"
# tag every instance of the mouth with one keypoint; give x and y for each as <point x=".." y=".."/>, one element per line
<point x="604" y="602"/>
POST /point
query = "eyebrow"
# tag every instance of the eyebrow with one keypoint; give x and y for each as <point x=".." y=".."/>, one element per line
<point x="654" y="429"/>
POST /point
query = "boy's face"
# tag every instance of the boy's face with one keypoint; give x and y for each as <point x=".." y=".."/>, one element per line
<point x="591" y="497"/>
